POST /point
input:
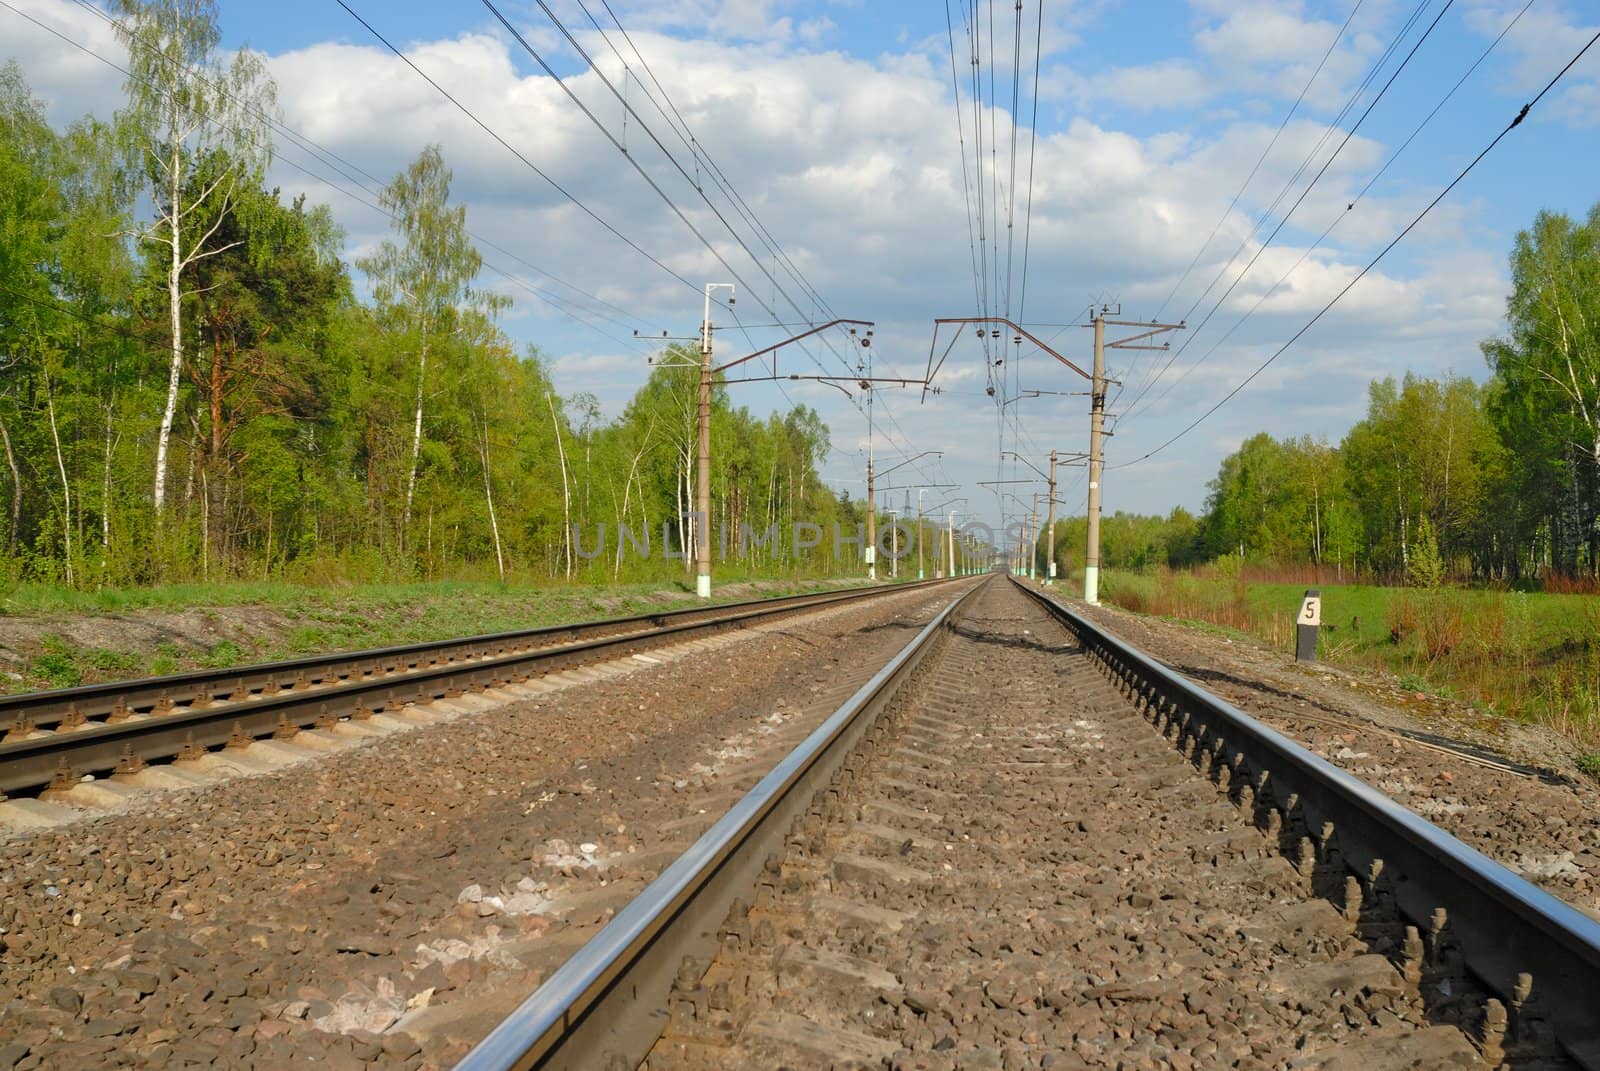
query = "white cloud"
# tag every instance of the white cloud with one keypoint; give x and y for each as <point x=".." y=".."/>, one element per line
<point x="71" y="82"/>
<point x="1541" y="43"/>
<point x="853" y="163"/>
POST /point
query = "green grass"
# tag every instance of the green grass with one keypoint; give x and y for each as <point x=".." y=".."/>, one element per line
<point x="1533" y="656"/>
<point x="291" y="620"/>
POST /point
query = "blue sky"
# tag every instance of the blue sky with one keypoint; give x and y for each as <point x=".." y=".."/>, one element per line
<point x="837" y="124"/>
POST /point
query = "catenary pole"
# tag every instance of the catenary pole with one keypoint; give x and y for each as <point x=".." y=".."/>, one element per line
<point x="1050" y="537"/>
<point x="1097" y="413"/>
<point x="702" y="519"/>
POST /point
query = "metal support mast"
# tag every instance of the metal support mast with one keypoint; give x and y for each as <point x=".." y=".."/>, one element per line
<point x="1097" y="432"/>
<point x="1097" y="415"/>
<point x="702" y="518"/>
<point x="1050" y="538"/>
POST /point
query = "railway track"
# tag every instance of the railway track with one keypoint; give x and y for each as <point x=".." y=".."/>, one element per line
<point x="1025" y="844"/>
<point x="54" y="739"/>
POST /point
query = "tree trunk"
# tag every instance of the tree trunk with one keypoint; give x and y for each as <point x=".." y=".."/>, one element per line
<point x="416" y="435"/>
<point x="175" y="311"/>
<point x="488" y="497"/>
<point x="566" y="491"/>
<point x="105" y="492"/>
<point x="16" y="493"/>
<point x="66" y="486"/>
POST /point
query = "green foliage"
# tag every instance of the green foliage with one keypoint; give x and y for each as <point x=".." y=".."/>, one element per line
<point x="1589" y="763"/>
<point x="1446" y="477"/>
<point x="58" y="664"/>
<point x="313" y="438"/>
<point x="224" y="653"/>
<point x="1425" y="569"/>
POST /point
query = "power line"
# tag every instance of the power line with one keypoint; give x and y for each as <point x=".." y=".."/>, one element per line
<point x="1337" y="219"/>
<point x="554" y="300"/>
<point x="961" y="137"/>
<point x="1011" y="184"/>
<point x="720" y="179"/>
<point x="1509" y="127"/>
<point x="106" y="327"/>
<point x="1033" y="137"/>
<point x="464" y="110"/>
<point x="716" y="171"/>
<point x="651" y="182"/>
<point x="1262" y="248"/>
<point x="1260" y="159"/>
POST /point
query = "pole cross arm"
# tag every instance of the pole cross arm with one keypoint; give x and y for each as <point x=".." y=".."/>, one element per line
<point x="804" y="334"/>
<point x="933" y="369"/>
<point x="1025" y="461"/>
<point x="1156" y="329"/>
<point x="909" y="460"/>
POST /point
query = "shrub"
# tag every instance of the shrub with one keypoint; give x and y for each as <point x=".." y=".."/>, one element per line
<point x="1443" y="621"/>
<point x="1424" y="566"/>
<point x="1401" y="617"/>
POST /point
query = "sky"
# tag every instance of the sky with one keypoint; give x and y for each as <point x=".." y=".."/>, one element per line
<point x="1186" y="159"/>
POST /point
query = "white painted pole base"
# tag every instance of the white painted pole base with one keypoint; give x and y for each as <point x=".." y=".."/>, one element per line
<point x="1091" y="585"/>
<point x="702" y="585"/>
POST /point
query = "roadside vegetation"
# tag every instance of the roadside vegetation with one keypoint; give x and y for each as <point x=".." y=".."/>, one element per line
<point x="1454" y="531"/>
<point x="1530" y="655"/>
<point x="196" y="388"/>
<point x="58" y="638"/>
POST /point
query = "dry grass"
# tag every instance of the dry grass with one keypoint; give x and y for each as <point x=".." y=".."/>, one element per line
<point x="1535" y="656"/>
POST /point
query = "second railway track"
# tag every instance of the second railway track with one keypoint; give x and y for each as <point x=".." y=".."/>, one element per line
<point x="1024" y="845"/>
<point x="53" y="739"/>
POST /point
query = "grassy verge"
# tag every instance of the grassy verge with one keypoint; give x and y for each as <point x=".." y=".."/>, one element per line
<point x="1532" y="656"/>
<point x="56" y="638"/>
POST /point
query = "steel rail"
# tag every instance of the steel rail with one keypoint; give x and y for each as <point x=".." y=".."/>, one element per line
<point x="605" y="1006"/>
<point x="1506" y="925"/>
<point x="161" y="717"/>
<point x="143" y="695"/>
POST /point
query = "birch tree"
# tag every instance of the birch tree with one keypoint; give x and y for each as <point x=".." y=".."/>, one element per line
<point x="423" y="278"/>
<point x="186" y="103"/>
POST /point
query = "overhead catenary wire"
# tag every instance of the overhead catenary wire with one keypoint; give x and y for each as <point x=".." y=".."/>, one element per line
<point x="961" y="138"/>
<point x="1011" y="183"/>
<point x="666" y="198"/>
<point x="719" y="177"/>
<point x="1033" y="137"/>
<point x="1284" y="219"/>
<point x="1276" y="134"/>
<point x="556" y="301"/>
<point x="1515" y="122"/>
<point x="514" y="151"/>
<point x="1337" y="219"/>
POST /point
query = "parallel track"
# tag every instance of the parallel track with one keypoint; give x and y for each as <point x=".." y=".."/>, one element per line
<point x="1534" y="955"/>
<point x="56" y="737"/>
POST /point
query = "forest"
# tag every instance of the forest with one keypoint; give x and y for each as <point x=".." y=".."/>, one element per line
<point x="192" y="388"/>
<point x="1442" y="478"/>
